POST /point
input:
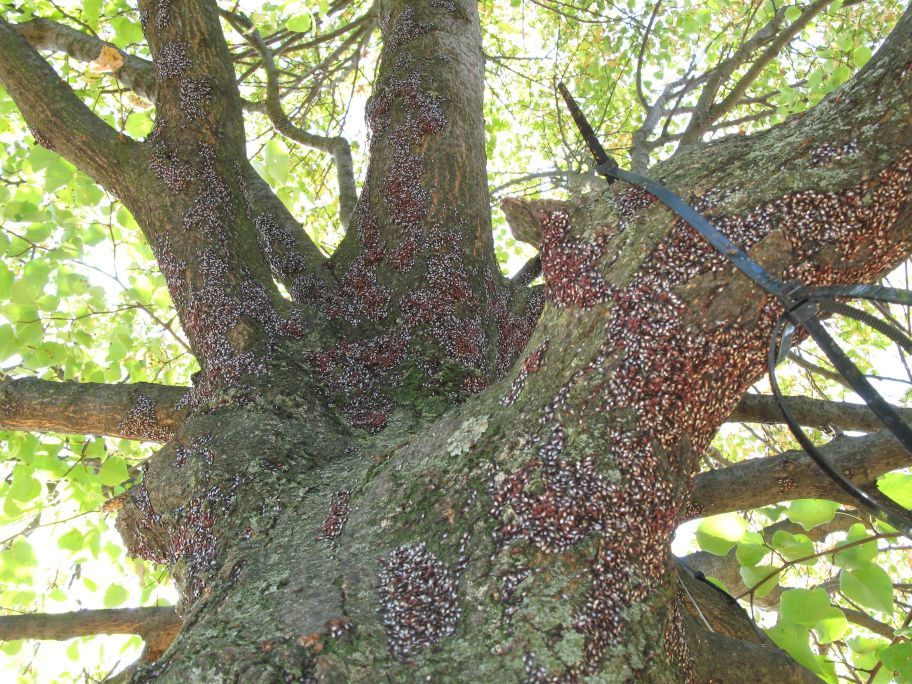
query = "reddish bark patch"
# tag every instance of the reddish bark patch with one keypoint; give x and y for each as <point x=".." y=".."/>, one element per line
<point x="338" y="515"/>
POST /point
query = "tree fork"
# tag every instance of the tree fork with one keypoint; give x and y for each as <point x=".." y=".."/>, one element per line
<point x="647" y="343"/>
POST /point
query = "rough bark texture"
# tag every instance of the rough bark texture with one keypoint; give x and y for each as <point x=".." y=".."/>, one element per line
<point x="330" y="510"/>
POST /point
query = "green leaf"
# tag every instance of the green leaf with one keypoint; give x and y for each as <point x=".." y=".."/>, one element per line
<point x="718" y="533"/>
<point x="57" y="174"/>
<point x="861" y="55"/>
<point x="113" y="471"/>
<point x="9" y="345"/>
<point x="71" y="541"/>
<point x="867" y="646"/>
<point x="856" y="556"/>
<point x="792" y="13"/>
<point x="793" y="546"/>
<point x="22" y="553"/>
<point x="690" y="24"/>
<point x="300" y="23"/>
<point x="812" y="608"/>
<point x="138" y="125"/>
<point x="11" y="648"/>
<point x="833" y="627"/>
<point x="91" y="11"/>
<point x="753" y="575"/>
<point x="277" y="162"/>
<point x="115" y="595"/>
<point x="811" y="512"/>
<point x="24" y="486"/>
<point x="841" y="74"/>
<point x="898" y="486"/>
<point x="750" y="554"/>
<point x="40" y="157"/>
<point x="869" y="586"/>
<point x="793" y="639"/>
<point x="125" y="31"/>
<point x="804" y="606"/>
<point x="6" y="280"/>
<point x="898" y="659"/>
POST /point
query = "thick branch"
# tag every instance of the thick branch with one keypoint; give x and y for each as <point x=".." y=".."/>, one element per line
<point x="136" y="74"/>
<point x="58" y="118"/>
<point x="43" y="34"/>
<point x="197" y="94"/>
<point x="793" y="475"/>
<point x="156" y="625"/>
<point x="264" y="201"/>
<point x="715" y="610"/>
<point x="766" y="664"/>
<point x="816" y="413"/>
<point x="141" y="411"/>
<point x="862" y="619"/>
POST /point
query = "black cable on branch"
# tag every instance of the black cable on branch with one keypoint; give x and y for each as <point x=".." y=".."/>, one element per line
<point x="802" y="308"/>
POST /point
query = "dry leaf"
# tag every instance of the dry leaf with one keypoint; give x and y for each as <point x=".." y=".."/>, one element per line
<point x="137" y="102"/>
<point x="108" y="60"/>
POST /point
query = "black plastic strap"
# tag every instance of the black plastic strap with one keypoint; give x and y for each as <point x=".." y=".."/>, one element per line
<point x="889" y="511"/>
<point x="595" y="147"/>
<point x="876" y="293"/>
<point x="885" y="328"/>
<point x="737" y="256"/>
<point x="802" y="306"/>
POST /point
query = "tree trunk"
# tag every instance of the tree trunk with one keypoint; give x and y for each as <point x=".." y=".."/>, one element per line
<point x="374" y="481"/>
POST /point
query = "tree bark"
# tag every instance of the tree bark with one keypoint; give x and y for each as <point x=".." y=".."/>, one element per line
<point x="756" y="408"/>
<point x="329" y="508"/>
<point x="142" y="411"/>
<point x="157" y="626"/>
<point x="793" y="475"/>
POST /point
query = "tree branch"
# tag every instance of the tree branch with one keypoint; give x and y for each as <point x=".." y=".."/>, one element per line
<point x="706" y="111"/>
<point x="816" y="413"/>
<point x="338" y="146"/>
<point x="862" y="619"/>
<point x="553" y="173"/>
<point x="156" y="625"/>
<point x="59" y="119"/>
<point x="793" y="475"/>
<point x="135" y="73"/>
<point x="263" y="201"/>
<point x="766" y="664"/>
<point x="639" y="68"/>
<point x="141" y="411"/>
<point x="529" y="271"/>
